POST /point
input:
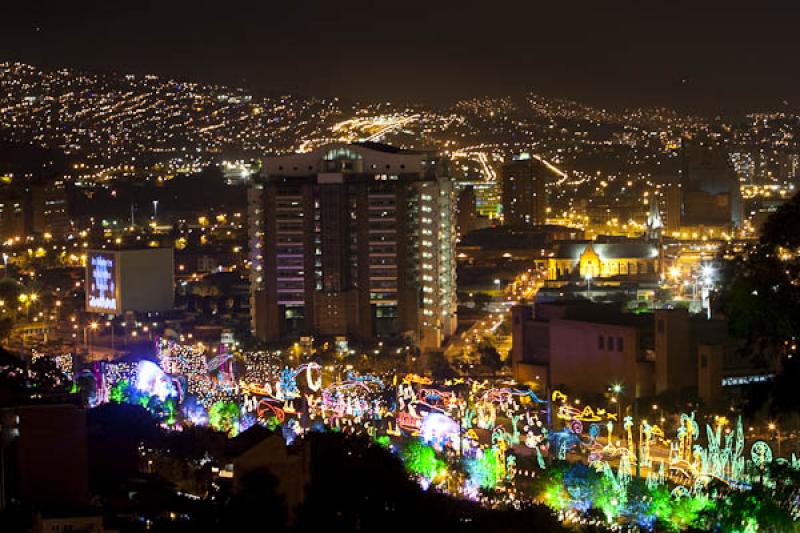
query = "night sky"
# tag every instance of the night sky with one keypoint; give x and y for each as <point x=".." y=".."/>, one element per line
<point x="699" y="55"/>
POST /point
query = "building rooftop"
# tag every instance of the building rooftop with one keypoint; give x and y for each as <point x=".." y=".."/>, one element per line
<point x="611" y="250"/>
<point x="386" y="148"/>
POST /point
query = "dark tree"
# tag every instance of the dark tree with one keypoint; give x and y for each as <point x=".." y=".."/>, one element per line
<point x="9" y="291"/>
<point x="357" y="486"/>
<point x="490" y="357"/>
<point x="115" y="433"/>
<point x="482" y="300"/>
<point x="440" y="367"/>
<point x="6" y="324"/>
<point x="760" y="296"/>
<point x="257" y="502"/>
<point x="760" y="289"/>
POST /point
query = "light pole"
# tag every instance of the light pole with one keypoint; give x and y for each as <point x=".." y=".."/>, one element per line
<point x="27" y="300"/>
<point x="89" y="339"/>
<point x="110" y="323"/>
<point x="589" y="285"/>
<point x="708" y="285"/>
<point x="616" y="389"/>
<point x="774" y="427"/>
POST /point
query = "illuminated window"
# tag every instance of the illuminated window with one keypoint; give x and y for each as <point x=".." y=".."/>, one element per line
<point x="340" y="153"/>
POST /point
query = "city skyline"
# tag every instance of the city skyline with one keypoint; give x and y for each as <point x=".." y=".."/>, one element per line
<point x="365" y="266"/>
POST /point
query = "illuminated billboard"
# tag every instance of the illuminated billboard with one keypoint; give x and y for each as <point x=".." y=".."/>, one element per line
<point x="139" y="280"/>
<point x="102" y="291"/>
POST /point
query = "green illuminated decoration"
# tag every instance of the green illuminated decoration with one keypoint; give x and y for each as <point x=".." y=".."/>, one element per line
<point x="421" y="459"/>
<point x="224" y="417"/>
<point x="486" y="469"/>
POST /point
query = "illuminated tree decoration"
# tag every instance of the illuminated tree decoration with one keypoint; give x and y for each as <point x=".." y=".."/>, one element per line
<point x="120" y="392"/>
<point x="224" y="417"/>
<point x="540" y="459"/>
<point x="761" y="453"/>
<point x="288" y="384"/>
<point x="383" y="441"/>
<point x="485" y="470"/>
<point x="422" y="460"/>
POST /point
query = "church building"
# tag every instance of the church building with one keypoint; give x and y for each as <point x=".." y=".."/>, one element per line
<point x="598" y="260"/>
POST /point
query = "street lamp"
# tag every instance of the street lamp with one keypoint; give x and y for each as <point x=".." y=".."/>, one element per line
<point x="616" y="390"/>
<point x="707" y="272"/>
<point x="774" y="427"/>
<point x="110" y="324"/>
<point x="88" y="339"/>
<point x="589" y="284"/>
<point x="27" y="300"/>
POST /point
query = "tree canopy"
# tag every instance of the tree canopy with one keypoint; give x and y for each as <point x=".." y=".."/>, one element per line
<point x="760" y="289"/>
<point x="760" y="293"/>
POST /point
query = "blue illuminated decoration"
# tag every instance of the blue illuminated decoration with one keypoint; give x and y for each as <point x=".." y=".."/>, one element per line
<point x="151" y="380"/>
<point x="288" y="384"/>
<point x="438" y="429"/>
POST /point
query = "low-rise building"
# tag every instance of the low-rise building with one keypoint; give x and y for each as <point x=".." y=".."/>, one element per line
<point x="586" y="347"/>
<point x="612" y="258"/>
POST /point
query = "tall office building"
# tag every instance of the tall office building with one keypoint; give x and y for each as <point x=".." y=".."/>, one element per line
<point x="354" y="240"/>
<point x="49" y="208"/>
<point x="467" y="210"/>
<point x="524" y="201"/>
<point x="488" y="201"/>
<point x="672" y="207"/>
<point x="12" y="215"/>
<point x="710" y="187"/>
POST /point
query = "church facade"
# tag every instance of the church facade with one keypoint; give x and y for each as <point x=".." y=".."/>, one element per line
<point x="588" y="259"/>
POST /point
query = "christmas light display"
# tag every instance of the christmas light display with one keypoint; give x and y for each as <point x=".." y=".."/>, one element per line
<point x="63" y="362"/>
<point x="439" y="430"/>
<point x="151" y="380"/>
<point x="467" y="437"/>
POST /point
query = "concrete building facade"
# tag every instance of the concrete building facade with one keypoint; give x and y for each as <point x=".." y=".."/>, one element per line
<point x="585" y="348"/>
<point x="355" y="240"/>
<point x="581" y="259"/>
<point x="524" y="181"/>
